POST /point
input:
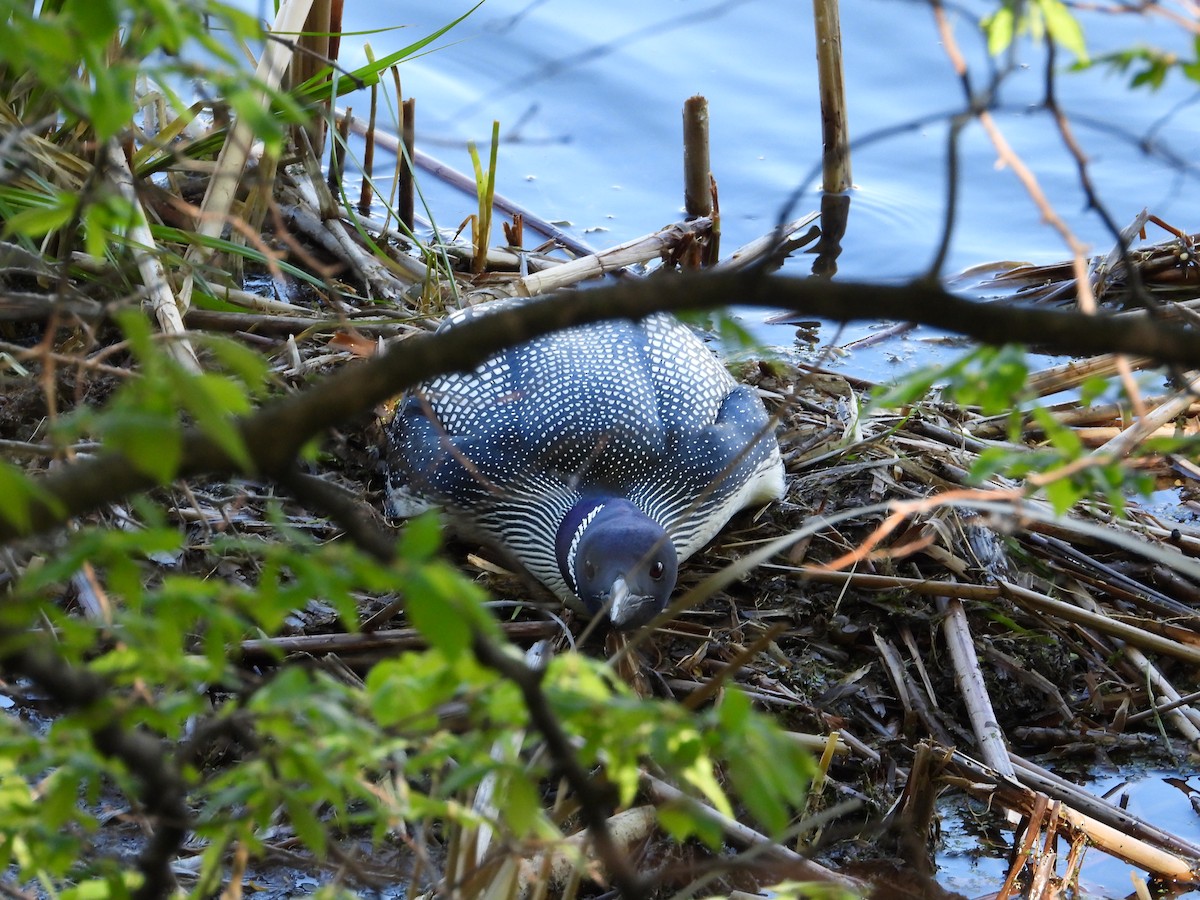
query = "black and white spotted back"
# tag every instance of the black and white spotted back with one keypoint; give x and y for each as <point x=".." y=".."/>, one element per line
<point x="637" y="410"/>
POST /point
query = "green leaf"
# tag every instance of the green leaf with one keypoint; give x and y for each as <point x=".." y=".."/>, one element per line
<point x="1064" y="29"/>
<point x="408" y="690"/>
<point x="734" y="712"/>
<point x="250" y="367"/>
<point x="91" y="889"/>
<point x="421" y="537"/>
<point x="992" y="461"/>
<point x="320" y="88"/>
<point x="681" y="822"/>
<point x="1062" y="438"/>
<point x="152" y="442"/>
<point x="1092" y="388"/>
<point x="701" y="776"/>
<point x="431" y="612"/>
<point x="215" y="402"/>
<point x="1063" y="493"/>
<point x="521" y="804"/>
<point x="41" y="220"/>
<point x="1000" y="27"/>
<point x="914" y="386"/>
<point x="96" y="18"/>
<point x="15" y="493"/>
<point x="306" y="825"/>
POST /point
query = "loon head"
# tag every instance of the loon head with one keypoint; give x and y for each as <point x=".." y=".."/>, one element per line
<point x="616" y="558"/>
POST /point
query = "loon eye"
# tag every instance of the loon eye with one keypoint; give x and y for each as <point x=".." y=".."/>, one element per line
<point x="589" y="569"/>
<point x="656" y="570"/>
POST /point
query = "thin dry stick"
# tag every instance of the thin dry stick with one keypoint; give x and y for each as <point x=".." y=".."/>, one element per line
<point x="398" y="639"/>
<point x="384" y="276"/>
<point x="745" y="836"/>
<point x="1185" y="718"/>
<point x="1044" y="781"/>
<point x="1124" y="443"/>
<point x="639" y="250"/>
<point x="465" y="183"/>
<point x="715" y="683"/>
<point x="1182" y="717"/>
<point x="1086" y="292"/>
<point x="979" y="780"/>
<point x="1086" y="299"/>
<point x="1024" y="596"/>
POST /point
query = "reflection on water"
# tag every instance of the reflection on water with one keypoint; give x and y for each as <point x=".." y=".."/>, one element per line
<point x="590" y="96"/>
<point x="973" y="856"/>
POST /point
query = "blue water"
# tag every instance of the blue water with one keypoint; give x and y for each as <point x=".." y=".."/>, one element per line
<point x="594" y="93"/>
<point x="1160" y="797"/>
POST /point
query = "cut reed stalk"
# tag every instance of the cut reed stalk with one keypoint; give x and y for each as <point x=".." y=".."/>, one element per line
<point x="697" y="174"/>
<point x="366" y="192"/>
<point x="408" y="132"/>
<point x="835" y="130"/>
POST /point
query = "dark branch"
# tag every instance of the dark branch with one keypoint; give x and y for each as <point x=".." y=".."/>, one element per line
<point x="275" y="434"/>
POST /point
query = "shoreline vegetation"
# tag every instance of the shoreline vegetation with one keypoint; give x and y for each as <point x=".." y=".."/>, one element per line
<point x="225" y="671"/>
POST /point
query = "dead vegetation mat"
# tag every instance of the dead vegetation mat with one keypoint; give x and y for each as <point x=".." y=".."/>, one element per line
<point x="892" y="599"/>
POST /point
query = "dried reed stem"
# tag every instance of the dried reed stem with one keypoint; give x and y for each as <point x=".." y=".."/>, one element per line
<point x="222" y="186"/>
<point x="162" y="301"/>
<point x="969" y="678"/>
<point x="638" y="250"/>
